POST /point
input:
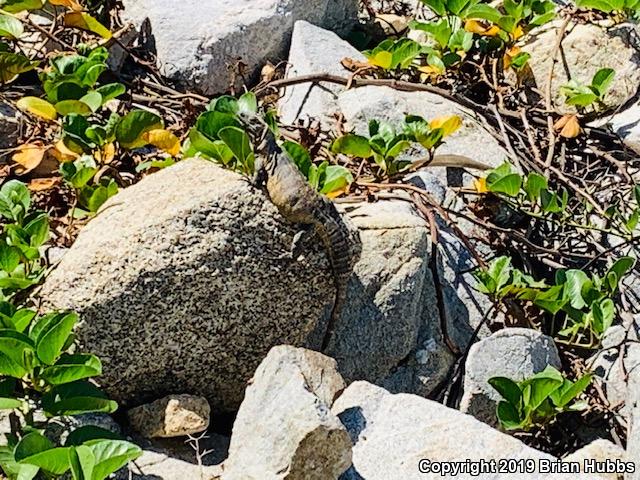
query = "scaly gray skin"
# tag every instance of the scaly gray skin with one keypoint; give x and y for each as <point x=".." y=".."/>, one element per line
<point x="299" y="203"/>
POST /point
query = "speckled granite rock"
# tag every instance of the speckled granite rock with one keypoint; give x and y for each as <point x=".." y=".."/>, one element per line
<point x="180" y="286"/>
<point x="600" y="451"/>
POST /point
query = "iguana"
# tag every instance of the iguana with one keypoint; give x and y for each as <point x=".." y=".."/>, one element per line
<point x="298" y="202"/>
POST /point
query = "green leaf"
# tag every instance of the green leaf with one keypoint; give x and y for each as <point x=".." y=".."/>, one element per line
<point x="602" y="80"/>
<point x="53" y="336"/>
<point x="509" y="390"/>
<point x="575" y="281"/>
<point x="621" y="267"/>
<point x="216" y="150"/>
<point x="15" y="6"/>
<point x="37" y="228"/>
<point x="509" y="185"/>
<point x="603" y="316"/>
<point x="299" y="155"/>
<point x="111" y="91"/>
<point x="542" y="385"/>
<point x="354" y="145"/>
<point x="337" y="178"/>
<point x="582" y="99"/>
<point x="93" y="100"/>
<point x="111" y="455"/>
<point x="9" y="257"/>
<point x="10" y="27"/>
<point x="35" y="449"/>
<point x="438" y="6"/>
<point x="12" y="65"/>
<point x="534" y="185"/>
<point x="134" y="125"/>
<point x="82" y="462"/>
<point x="224" y="104"/>
<point x="569" y="391"/>
<point x="210" y="123"/>
<point x="15" y="351"/>
<point x="70" y="368"/>
<point x="10" y="403"/>
<point x="508" y="416"/>
<point x="240" y="144"/>
<point x="77" y="398"/>
<point x="68" y="107"/>
<point x="248" y="103"/>
<point x="15" y="200"/>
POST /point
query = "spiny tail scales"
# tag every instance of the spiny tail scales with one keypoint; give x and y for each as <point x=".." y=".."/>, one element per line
<point x="299" y="203"/>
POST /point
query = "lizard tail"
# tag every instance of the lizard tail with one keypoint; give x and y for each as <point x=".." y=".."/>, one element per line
<point x="336" y="311"/>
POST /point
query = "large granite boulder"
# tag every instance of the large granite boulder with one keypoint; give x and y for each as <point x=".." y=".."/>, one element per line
<point x="197" y="43"/>
<point x="181" y="286"/>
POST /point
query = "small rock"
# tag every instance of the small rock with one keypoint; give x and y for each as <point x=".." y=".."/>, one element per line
<point x="157" y="464"/>
<point x="599" y="451"/>
<point x="392" y="434"/>
<point x="515" y="353"/>
<point x="200" y="43"/>
<point x="9" y="125"/>
<point x="172" y="416"/>
<point x="586" y="48"/>
<point x="285" y="428"/>
<point x="633" y="442"/>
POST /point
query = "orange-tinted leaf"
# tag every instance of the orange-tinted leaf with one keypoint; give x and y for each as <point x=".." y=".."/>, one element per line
<point x="107" y="153"/>
<point x="164" y="140"/>
<point x="84" y="21"/>
<point x="28" y="157"/>
<point x="41" y="184"/>
<point x="569" y="126"/>
<point x="62" y="153"/>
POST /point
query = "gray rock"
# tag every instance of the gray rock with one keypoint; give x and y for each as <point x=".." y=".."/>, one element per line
<point x="285" y="428"/>
<point x="515" y="353"/>
<point x="390" y="330"/>
<point x="160" y="465"/>
<point x="391" y="434"/>
<point x="171" y="416"/>
<point x="586" y="48"/>
<point x="313" y="51"/>
<point x="617" y="366"/>
<point x="9" y="125"/>
<point x="197" y="42"/>
<point x="181" y="285"/>
<point x="627" y="125"/>
<point x="633" y="442"/>
<point x="600" y="451"/>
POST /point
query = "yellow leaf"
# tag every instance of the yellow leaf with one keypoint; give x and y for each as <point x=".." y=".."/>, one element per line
<point x="106" y="154"/>
<point x="382" y="60"/>
<point x="84" y="21"/>
<point x="517" y="33"/>
<point x="337" y="193"/>
<point x="63" y="153"/>
<point x="72" y="4"/>
<point x="481" y="185"/>
<point x="29" y="156"/>
<point x="431" y="70"/>
<point x="508" y="56"/>
<point x="474" y="26"/>
<point x="164" y="140"/>
<point x="569" y="126"/>
<point x="38" y="107"/>
<point x="449" y="124"/>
